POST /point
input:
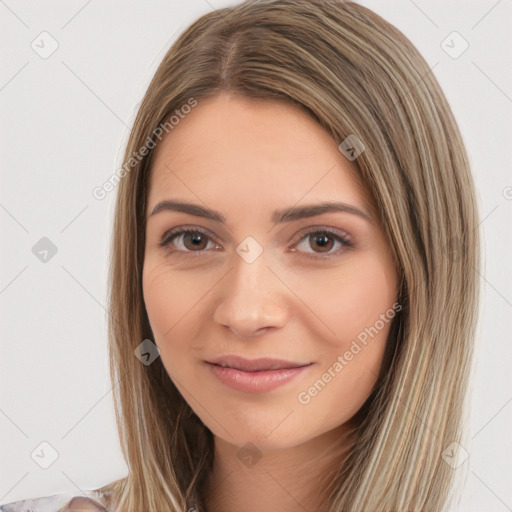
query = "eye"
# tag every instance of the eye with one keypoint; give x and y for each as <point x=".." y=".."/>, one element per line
<point x="324" y="240"/>
<point x="196" y="240"/>
<point x="187" y="240"/>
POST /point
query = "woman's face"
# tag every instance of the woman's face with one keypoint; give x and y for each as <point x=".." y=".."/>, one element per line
<point x="264" y="273"/>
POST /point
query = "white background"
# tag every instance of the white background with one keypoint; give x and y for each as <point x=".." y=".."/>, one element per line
<point x="64" y="122"/>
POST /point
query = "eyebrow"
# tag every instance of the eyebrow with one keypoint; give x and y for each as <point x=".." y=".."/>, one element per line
<point x="278" y="216"/>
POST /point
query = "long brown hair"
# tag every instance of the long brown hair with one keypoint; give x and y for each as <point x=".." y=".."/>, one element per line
<point x="354" y="73"/>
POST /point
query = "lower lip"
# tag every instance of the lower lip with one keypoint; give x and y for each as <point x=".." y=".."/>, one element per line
<point x="255" y="382"/>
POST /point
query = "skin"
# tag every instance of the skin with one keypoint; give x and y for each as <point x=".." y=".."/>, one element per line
<point x="81" y="504"/>
<point x="246" y="158"/>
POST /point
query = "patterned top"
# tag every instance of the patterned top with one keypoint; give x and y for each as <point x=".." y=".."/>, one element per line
<point x="89" y="501"/>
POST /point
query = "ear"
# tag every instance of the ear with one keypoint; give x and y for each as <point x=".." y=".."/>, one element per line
<point x="84" y="504"/>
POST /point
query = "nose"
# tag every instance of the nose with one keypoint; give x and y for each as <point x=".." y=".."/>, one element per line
<point x="252" y="299"/>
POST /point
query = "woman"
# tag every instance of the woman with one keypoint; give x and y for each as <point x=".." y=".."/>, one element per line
<point x="314" y="350"/>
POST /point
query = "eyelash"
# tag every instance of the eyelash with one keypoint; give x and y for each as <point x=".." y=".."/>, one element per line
<point x="344" y="240"/>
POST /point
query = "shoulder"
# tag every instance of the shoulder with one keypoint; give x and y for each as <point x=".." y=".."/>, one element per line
<point x="93" y="501"/>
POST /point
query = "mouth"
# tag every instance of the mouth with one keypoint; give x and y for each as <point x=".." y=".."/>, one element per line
<point x="257" y="375"/>
<point x="256" y="365"/>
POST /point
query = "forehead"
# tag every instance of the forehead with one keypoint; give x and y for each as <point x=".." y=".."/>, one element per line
<point x="259" y="151"/>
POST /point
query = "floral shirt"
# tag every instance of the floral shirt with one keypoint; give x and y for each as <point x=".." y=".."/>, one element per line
<point x="92" y="501"/>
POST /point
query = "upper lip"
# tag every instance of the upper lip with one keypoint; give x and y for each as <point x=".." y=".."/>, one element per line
<point x="255" y="365"/>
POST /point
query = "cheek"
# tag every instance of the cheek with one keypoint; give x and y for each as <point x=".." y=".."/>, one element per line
<point x="167" y="302"/>
<point x="360" y="311"/>
<point x="356" y="303"/>
<point x="352" y="298"/>
<point x="171" y="299"/>
<point x="344" y="380"/>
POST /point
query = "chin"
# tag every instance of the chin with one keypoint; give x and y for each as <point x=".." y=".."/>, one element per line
<point x="266" y="433"/>
<point x="259" y="440"/>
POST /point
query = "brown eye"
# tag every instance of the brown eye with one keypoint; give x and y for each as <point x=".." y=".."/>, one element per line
<point x="194" y="240"/>
<point x="186" y="241"/>
<point x="322" y="241"/>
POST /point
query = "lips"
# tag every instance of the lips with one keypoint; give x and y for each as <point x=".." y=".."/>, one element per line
<point x="256" y="376"/>
<point x="255" y="365"/>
